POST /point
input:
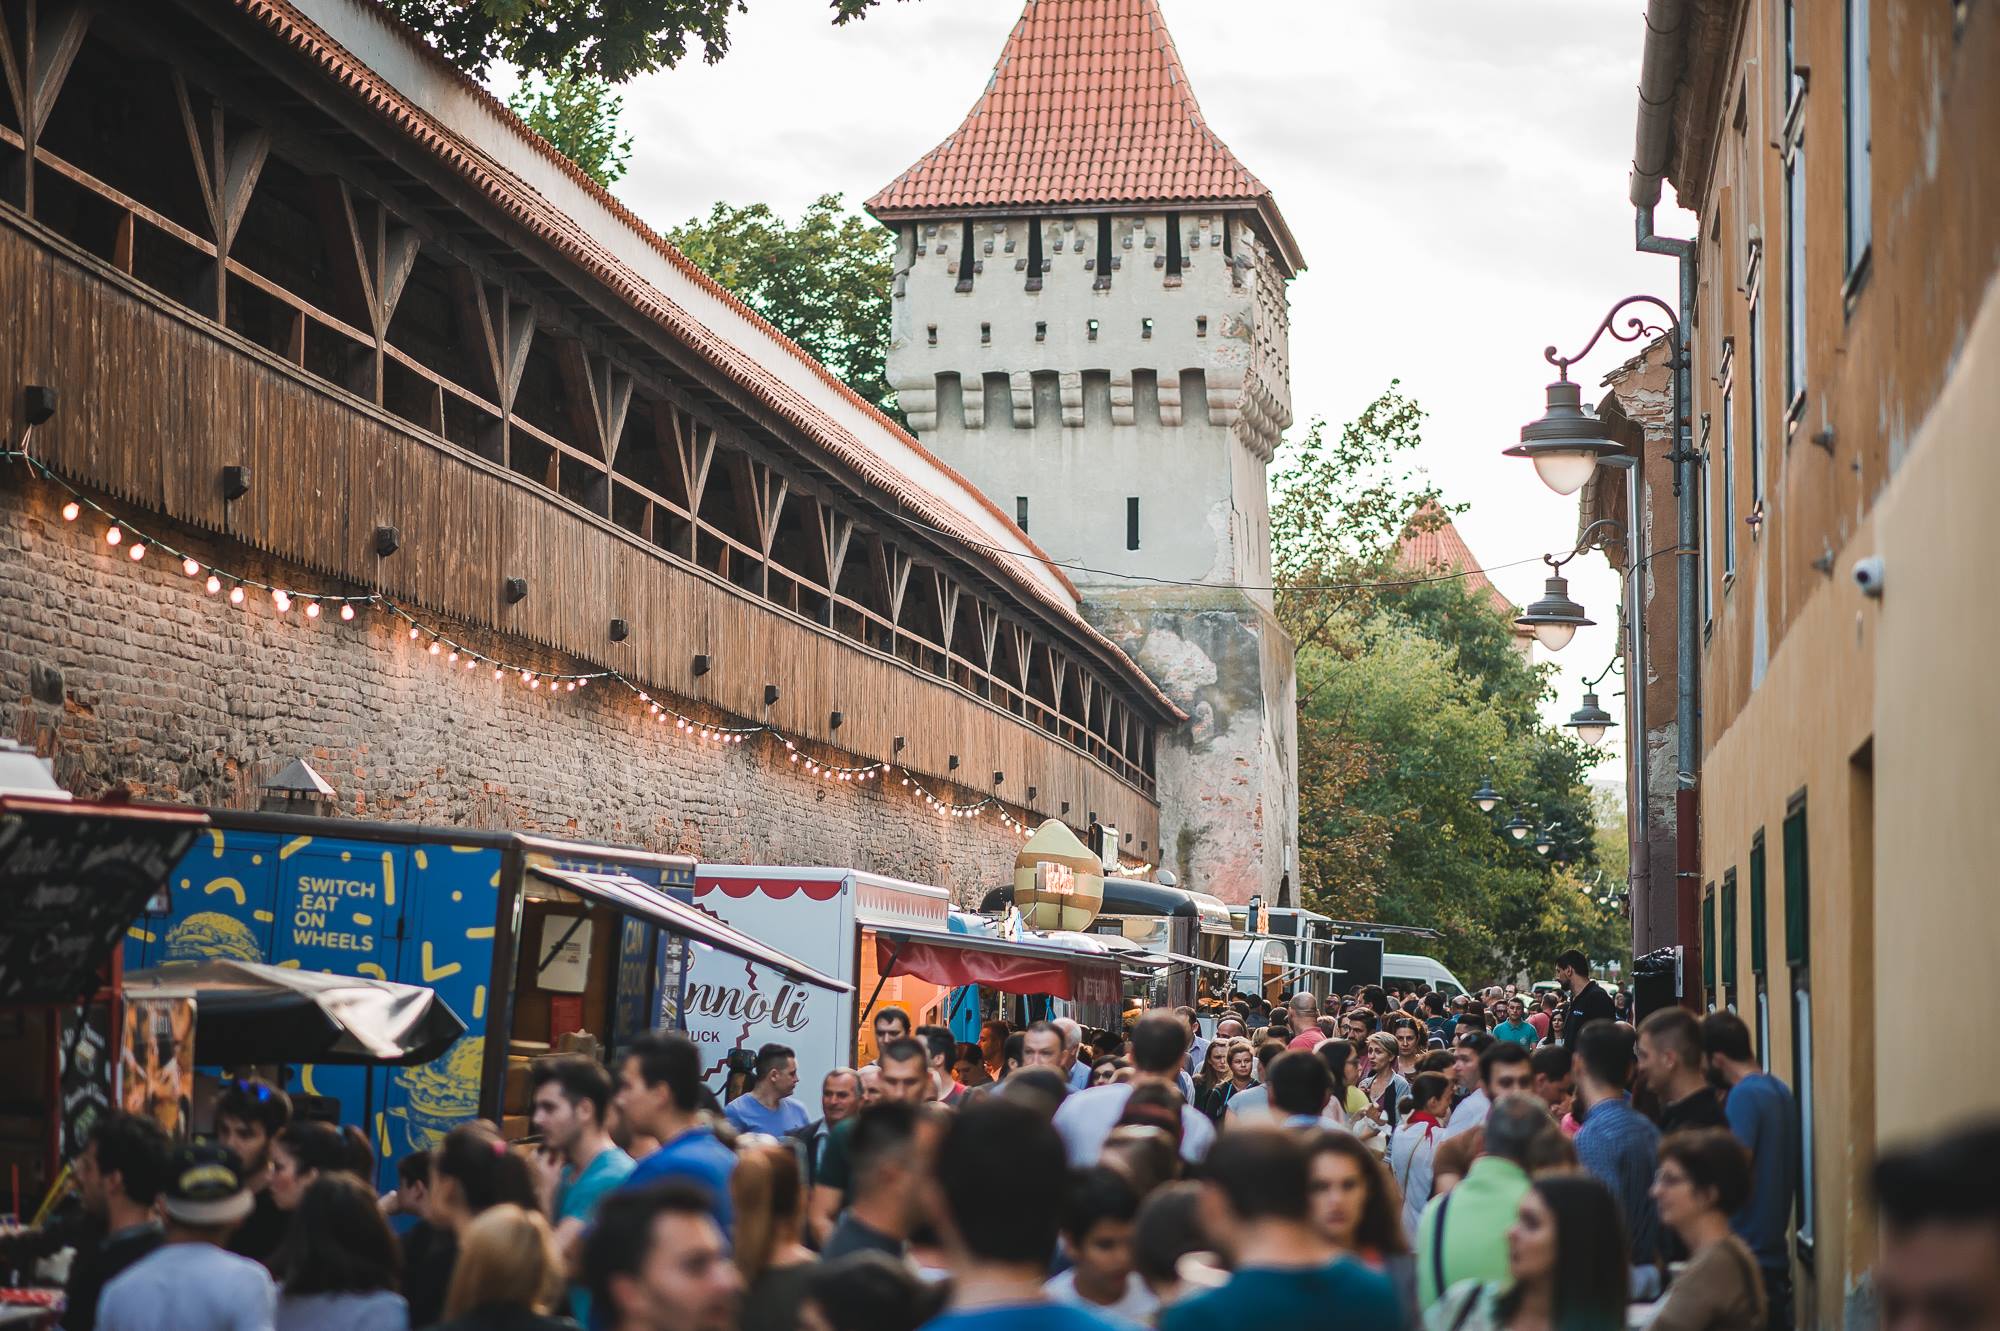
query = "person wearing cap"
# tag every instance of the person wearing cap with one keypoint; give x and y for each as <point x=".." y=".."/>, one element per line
<point x="189" y="1283"/>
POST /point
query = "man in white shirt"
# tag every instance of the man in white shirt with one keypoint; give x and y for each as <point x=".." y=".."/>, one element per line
<point x="1159" y="1042"/>
<point x="1472" y="1110"/>
<point x="1073" y="1068"/>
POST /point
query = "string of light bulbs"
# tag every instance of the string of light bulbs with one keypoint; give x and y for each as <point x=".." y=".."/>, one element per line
<point x="236" y="588"/>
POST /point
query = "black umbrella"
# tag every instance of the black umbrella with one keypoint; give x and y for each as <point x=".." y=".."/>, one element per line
<point x="246" y="1013"/>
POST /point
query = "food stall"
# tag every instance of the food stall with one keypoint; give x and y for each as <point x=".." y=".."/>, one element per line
<point x="1190" y="930"/>
<point x="536" y="943"/>
<point x="73" y="874"/>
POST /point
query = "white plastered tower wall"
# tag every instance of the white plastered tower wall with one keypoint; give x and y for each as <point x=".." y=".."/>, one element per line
<point x="1169" y="384"/>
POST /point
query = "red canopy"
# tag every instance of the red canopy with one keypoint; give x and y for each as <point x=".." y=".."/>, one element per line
<point x="1017" y="968"/>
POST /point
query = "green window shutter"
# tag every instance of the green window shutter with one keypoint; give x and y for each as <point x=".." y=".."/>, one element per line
<point x="1798" y="932"/>
<point x="1759" y="937"/>
<point x="1708" y="943"/>
<point x="1728" y="962"/>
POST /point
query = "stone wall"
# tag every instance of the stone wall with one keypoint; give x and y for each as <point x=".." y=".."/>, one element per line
<point x="132" y="679"/>
<point x="1228" y="793"/>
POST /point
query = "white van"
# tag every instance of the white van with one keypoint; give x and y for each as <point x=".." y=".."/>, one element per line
<point x="1408" y="969"/>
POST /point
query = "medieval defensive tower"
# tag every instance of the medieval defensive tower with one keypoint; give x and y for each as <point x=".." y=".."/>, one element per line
<point x="1090" y="323"/>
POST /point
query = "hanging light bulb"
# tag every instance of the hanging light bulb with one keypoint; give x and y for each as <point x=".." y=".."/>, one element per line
<point x="282" y="599"/>
<point x="236" y="594"/>
<point x="138" y="550"/>
<point x="71" y="511"/>
<point x="312" y="609"/>
<point x="413" y="633"/>
<point x="496" y="672"/>
<point x="191" y="567"/>
<point x="213" y="585"/>
<point x="113" y="535"/>
<point x="471" y="662"/>
<point x="346" y="610"/>
<point x="436" y="646"/>
<point x="453" y="658"/>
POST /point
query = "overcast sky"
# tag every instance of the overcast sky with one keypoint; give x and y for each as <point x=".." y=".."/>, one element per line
<point x="1454" y="171"/>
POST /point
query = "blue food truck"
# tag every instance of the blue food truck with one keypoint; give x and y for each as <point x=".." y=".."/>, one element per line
<point x="527" y="938"/>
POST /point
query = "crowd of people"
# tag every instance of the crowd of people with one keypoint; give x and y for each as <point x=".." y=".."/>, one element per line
<point x="1389" y="1160"/>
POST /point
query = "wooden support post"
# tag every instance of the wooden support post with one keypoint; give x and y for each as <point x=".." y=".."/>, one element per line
<point x="836" y="531"/>
<point x="503" y="328"/>
<point x="693" y="450"/>
<point x="226" y="168"/>
<point x="34" y="62"/>
<point x="760" y="492"/>
<point x="599" y="397"/>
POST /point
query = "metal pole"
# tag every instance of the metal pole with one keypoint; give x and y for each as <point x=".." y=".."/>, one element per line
<point x="1687" y="893"/>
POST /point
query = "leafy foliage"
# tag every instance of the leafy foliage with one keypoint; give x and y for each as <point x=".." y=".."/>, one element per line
<point x="578" y="114"/>
<point x="608" y="39"/>
<point x="823" y="282"/>
<point x="1408" y="688"/>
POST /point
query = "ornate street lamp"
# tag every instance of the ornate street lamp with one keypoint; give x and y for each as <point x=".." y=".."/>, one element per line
<point x="1544" y="841"/>
<point x="1567" y="443"/>
<point x="1516" y="827"/>
<point x="1590" y="721"/>
<point x="1486" y="797"/>
<point x="1556" y="618"/>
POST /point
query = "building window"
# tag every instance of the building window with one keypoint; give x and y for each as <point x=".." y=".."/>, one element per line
<point x="1754" y="379"/>
<point x="1021" y="512"/>
<point x="1860" y="223"/>
<point x="1034" y="254"/>
<point x="1727" y="480"/>
<point x="1103" y="281"/>
<point x="1798" y="949"/>
<point x="1726" y="963"/>
<point x="1173" y="246"/>
<point x="1132" y="523"/>
<point x="1709" y="948"/>
<point x="1795" y="280"/>
<point x="965" y="259"/>
<point x="1703" y="558"/>
<point x="1759" y="949"/>
<point x="1792" y="81"/>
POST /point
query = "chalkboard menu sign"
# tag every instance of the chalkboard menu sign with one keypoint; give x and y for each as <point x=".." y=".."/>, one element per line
<point x="73" y="876"/>
<point x="86" y="1073"/>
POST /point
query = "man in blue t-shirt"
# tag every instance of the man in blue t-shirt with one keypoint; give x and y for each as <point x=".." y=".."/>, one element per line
<point x="578" y="1163"/>
<point x="1258" y="1192"/>
<point x="659" y="1092"/>
<point x="1003" y="1172"/>
<point x="1765" y="1119"/>
<point x="768" y="1107"/>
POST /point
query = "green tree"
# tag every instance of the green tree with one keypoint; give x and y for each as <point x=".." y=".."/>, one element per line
<point x="823" y="282"/>
<point x="611" y="39"/>
<point x="1408" y="690"/>
<point x="578" y="113"/>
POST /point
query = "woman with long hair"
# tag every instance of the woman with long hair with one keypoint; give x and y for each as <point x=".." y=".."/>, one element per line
<point x="340" y="1265"/>
<point x="1386" y="1087"/>
<point x="1242" y="1066"/>
<point x="1212" y="1087"/>
<point x="768" y="1192"/>
<point x="302" y="1151"/>
<point x="1703" y="1179"/>
<point x="1354" y="1207"/>
<point x="471" y="1171"/>
<point x="1566" y="1262"/>
<point x="1349" y="1103"/>
<point x="509" y="1275"/>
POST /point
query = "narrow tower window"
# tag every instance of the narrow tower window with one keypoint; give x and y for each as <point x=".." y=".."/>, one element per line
<point x="1034" y="254"/>
<point x="1103" y="252"/>
<point x="1021" y="512"/>
<point x="1132" y="523"/>
<point x="965" y="256"/>
<point x="1173" y="247"/>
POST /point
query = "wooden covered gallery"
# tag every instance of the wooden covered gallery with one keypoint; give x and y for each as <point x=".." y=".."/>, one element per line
<point x="311" y="300"/>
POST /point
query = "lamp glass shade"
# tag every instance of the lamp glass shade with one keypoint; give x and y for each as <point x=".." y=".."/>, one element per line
<point x="1486" y="803"/>
<point x="1555" y="637"/>
<point x="1565" y="470"/>
<point x="1544" y="846"/>
<point x="1591" y="734"/>
<point x="1518" y="830"/>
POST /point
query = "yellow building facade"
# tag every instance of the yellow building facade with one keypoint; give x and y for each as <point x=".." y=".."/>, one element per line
<point x="1843" y="159"/>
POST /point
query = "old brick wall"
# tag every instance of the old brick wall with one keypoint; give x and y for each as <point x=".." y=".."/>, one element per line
<point x="128" y="676"/>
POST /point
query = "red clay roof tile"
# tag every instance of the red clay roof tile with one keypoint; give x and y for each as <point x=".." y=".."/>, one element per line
<point x="1440" y="549"/>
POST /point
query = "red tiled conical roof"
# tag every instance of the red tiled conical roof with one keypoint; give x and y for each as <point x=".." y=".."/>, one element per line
<point x="1431" y="546"/>
<point x="1088" y="106"/>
